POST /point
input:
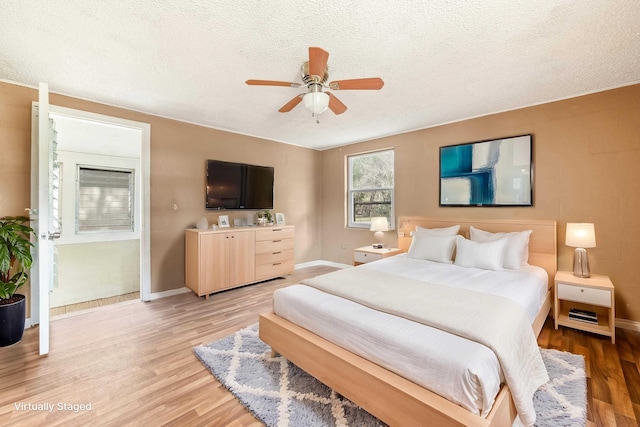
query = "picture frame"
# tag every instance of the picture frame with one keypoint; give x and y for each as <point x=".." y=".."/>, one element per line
<point x="280" y="219"/>
<point x="489" y="173"/>
<point x="223" y="221"/>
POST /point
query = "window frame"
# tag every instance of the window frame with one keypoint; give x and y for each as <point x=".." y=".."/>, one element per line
<point x="350" y="191"/>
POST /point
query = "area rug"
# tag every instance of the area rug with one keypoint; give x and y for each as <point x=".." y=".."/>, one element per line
<point x="280" y="394"/>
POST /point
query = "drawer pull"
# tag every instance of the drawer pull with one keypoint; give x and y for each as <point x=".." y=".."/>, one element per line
<point x="277" y="263"/>
<point x="276" y="241"/>
<point x="275" y="253"/>
<point x="277" y="229"/>
<point x="581" y="290"/>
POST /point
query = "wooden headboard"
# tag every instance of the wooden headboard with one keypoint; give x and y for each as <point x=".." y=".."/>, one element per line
<point x="543" y="250"/>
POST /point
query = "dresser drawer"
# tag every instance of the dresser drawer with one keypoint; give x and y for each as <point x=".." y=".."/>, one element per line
<point x="601" y="297"/>
<point x="364" y="257"/>
<point x="270" y="246"/>
<point x="266" y="271"/>
<point x="274" y="234"/>
<point x="273" y="257"/>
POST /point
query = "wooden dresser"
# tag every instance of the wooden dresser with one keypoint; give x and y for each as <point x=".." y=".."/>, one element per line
<point x="274" y="252"/>
<point x="216" y="260"/>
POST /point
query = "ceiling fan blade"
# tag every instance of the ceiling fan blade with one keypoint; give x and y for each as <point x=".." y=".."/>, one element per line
<point x="318" y="62"/>
<point x="270" y="83"/>
<point x="336" y="105"/>
<point x="291" y="104"/>
<point x="371" y="83"/>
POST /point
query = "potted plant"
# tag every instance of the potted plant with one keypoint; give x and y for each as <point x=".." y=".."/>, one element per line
<point x="264" y="218"/>
<point x="15" y="260"/>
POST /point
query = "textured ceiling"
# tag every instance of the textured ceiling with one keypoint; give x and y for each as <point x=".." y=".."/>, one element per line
<point x="441" y="60"/>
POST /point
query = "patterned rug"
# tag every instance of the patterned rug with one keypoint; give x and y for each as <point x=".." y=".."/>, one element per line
<point x="280" y="394"/>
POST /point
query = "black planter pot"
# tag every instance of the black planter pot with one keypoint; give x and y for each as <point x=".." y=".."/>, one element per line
<point x="12" y="318"/>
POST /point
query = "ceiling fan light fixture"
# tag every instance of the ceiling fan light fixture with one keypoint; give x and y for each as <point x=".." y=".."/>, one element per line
<point x="316" y="102"/>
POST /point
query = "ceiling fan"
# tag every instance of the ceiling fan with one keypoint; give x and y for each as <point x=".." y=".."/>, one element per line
<point x="314" y="74"/>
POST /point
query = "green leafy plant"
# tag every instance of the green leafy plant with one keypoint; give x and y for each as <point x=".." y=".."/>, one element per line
<point x="266" y="215"/>
<point x="15" y="254"/>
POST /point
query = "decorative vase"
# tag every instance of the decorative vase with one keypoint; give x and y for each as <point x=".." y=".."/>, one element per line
<point x="202" y="224"/>
<point x="12" y="318"/>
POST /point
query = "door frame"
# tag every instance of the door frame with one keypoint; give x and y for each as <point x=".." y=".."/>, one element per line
<point x="145" y="202"/>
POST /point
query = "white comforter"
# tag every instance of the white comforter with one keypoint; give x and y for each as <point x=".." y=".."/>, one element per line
<point x="493" y="321"/>
<point x="458" y="369"/>
<point x="527" y="286"/>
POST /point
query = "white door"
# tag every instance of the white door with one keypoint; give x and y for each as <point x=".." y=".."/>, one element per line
<point x="44" y="221"/>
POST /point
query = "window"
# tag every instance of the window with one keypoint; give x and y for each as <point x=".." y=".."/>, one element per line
<point x="370" y="188"/>
<point x="105" y="200"/>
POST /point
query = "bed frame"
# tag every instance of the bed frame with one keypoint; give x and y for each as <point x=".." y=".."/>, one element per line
<point x="390" y="397"/>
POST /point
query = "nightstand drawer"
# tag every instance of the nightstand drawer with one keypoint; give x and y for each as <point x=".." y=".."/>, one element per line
<point x="365" y="257"/>
<point x="601" y="297"/>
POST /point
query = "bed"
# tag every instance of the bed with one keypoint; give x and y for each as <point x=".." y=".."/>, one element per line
<point x="388" y="395"/>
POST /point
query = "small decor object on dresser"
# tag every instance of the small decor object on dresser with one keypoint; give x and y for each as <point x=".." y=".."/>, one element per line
<point x="202" y="224"/>
<point x="280" y="219"/>
<point x="264" y="218"/>
<point x="223" y="221"/>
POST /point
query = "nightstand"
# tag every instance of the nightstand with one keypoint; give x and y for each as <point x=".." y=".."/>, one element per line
<point x="367" y="254"/>
<point x="595" y="293"/>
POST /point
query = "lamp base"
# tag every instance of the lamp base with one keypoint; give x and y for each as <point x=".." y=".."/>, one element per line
<point x="581" y="263"/>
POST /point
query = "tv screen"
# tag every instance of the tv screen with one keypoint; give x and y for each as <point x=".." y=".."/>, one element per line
<point x="239" y="186"/>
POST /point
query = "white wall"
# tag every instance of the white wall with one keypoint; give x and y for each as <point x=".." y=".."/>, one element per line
<point x="89" y="271"/>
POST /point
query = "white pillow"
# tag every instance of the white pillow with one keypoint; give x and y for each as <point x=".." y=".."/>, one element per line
<point x="432" y="248"/>
<point x="517" y="252"/>
<point x="446" y="231"/>
<point x="488" y="255"/>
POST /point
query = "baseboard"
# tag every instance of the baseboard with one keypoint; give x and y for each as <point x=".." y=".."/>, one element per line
<point x="169" y="293"/>
<point x="628" y="324"/>
<point x="322" y="262"/>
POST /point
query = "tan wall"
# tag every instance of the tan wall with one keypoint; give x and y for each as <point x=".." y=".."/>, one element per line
<point x="586" y="169"/>
<point x="178" y="154"/>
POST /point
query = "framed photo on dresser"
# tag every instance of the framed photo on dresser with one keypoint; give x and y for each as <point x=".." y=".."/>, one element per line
<point x="223" y="221"/>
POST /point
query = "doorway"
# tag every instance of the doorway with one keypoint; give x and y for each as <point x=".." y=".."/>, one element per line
<point x="100" y="202"/>
<point x="97" y="257"/>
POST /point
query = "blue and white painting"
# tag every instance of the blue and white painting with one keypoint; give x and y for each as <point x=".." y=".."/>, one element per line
<point x="487" y="173"/>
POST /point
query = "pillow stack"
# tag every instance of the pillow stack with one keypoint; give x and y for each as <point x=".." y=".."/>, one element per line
<point x="486" y="255"/>
<point x="516" y="251"/>
<point x="434" y="244"/>
<point x="486" y="250"/>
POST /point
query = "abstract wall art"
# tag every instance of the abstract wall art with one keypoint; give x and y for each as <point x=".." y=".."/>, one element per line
<point x="497" y="172"/>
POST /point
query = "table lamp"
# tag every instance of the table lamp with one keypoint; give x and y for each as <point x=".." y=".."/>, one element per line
<point x="580" y="236"/>
<point x="379" y="224"/>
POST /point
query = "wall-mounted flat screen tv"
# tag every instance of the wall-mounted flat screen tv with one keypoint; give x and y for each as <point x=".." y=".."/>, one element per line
<point x="239" y="186"/>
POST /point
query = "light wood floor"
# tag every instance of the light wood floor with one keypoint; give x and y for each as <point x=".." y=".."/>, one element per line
<point x="86" y="305"/>
<point x="134" y="364"/>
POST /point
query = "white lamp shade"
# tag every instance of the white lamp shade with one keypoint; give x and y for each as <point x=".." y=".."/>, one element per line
<point x="316" y="102"/>
<point x="580" y="235"/>
<point x="379" y="223"/>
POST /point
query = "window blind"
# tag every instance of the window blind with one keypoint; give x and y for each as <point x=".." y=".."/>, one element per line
<point x="105" y="200"/>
